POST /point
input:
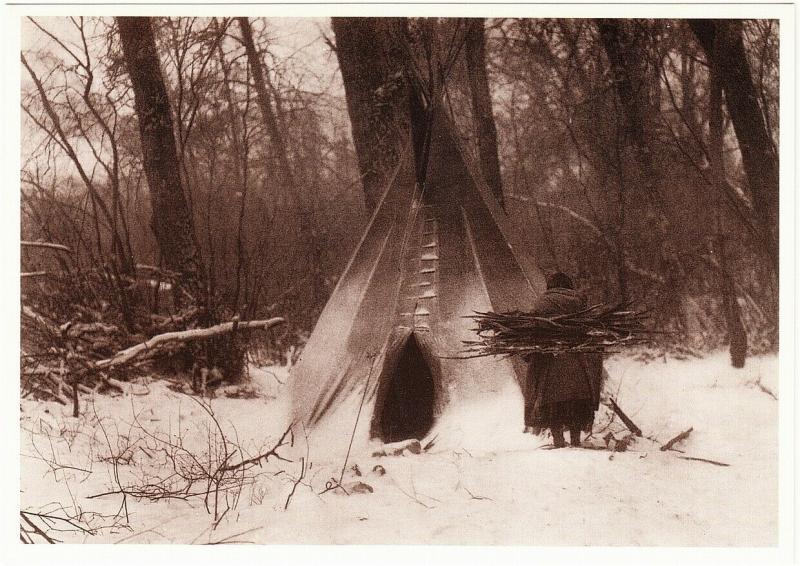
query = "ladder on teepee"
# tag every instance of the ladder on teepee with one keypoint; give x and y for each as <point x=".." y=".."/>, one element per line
<point x="420" y="289"/>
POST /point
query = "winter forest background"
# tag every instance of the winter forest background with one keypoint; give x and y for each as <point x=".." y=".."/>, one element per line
<point x="639" y="187"/>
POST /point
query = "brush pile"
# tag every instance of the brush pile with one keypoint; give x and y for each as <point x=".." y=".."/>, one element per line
<point x="601" y="328"/>
<point x="90" y="330"/>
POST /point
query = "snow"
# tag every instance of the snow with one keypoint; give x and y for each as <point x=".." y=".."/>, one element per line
<point x="495" y="485"/>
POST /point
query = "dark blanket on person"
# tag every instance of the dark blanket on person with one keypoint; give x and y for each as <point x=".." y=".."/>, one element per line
<point x="562" y="388"/>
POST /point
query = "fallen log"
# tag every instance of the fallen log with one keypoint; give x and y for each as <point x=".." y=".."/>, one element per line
<point x="624" y="418"/>
<point x="127" y="355"/>
<point x="682" y="436"/>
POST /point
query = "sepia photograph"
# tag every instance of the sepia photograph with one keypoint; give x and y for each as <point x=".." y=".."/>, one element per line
<point x="345" y="279"/>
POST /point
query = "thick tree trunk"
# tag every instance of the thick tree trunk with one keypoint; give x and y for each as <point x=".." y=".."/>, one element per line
<point x="737" y="337"/>
<point x="758" y="157"/>
<point x="377" y="98"/>
<point x="485" y="129"/>
<point x="623" y="57"/>
<point x="172" y="220"/>
<point x="628" y="67"/>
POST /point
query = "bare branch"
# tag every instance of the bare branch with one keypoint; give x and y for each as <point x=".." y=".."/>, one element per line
<point x="127" y="355"/>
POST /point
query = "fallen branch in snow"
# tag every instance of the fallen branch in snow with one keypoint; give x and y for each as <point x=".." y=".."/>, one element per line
<point x="127" y="355"/>
<point x="766" y="390"/>
<point x="706" y="460"/>
<point x="25" y="535"/>
<point x="161" y="322"/>
<point x="679" y="438"/>
<point x="231" y="539"/>
<point x="48" y="523"/>
<point x="624" y="418"/>
<point x="265" y="456"/>
<point x="476" y="497"/>
<point x="297" y="482"/>
<point x="414" y="496"/>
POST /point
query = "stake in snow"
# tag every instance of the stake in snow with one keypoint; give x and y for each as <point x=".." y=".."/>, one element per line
<point x="353" y="281"/>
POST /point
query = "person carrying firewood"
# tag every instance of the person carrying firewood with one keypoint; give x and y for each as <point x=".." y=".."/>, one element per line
<point x="562" y="389"/>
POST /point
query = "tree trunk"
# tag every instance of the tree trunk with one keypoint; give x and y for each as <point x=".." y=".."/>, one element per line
<point x="377" y="98"/>
<point x="485" y="129"/>
<point x="627" y="62"/>
<point x="171" y="221"/>
<point x="759" y="159"/>
<point x="623" y="57"/>
<point x="278" y="144"/>
<point x="737" y="337"/>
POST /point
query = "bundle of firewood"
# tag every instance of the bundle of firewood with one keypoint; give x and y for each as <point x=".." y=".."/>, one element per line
<point x="601" y="328"/>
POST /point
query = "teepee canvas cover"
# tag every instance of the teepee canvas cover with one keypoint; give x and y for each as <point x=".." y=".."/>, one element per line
<point x="433" y="253"/>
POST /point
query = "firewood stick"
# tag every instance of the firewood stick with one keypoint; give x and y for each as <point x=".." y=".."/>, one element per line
<point x="625" y="418"/>
<point x="682" y="436"/>
<point x="696" y="459"/>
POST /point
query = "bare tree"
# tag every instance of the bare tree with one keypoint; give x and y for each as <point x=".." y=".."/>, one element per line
<point x="171" y="221"/>
<point x="307" y="230"/>
<point x="742" y="101"/>
<point x="485" y="129"/>
<point x="737" y="337"/>
<point x="377" y="98"/>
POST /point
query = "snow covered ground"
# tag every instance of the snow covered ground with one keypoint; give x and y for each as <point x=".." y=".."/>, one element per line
<point x="509" y="490"/>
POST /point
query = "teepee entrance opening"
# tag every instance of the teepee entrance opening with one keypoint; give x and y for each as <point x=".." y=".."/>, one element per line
<point x="404" y="406"/>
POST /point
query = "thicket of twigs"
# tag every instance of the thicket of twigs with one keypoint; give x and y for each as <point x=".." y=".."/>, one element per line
<point x="166" y="467"/>
<point x="603" y="328"/>
<point x="91" y="329"/>
<point x="206" y="465"/>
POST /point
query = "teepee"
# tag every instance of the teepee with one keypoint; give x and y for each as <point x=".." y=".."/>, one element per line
<point x="385" y="348"/>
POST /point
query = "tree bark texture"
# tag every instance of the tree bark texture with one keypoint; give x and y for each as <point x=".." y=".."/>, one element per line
<point x="377" y="97"/>
<point x="485" y="129"/>
<point x="171" y="220"/>
<point x="758" y="156"/>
